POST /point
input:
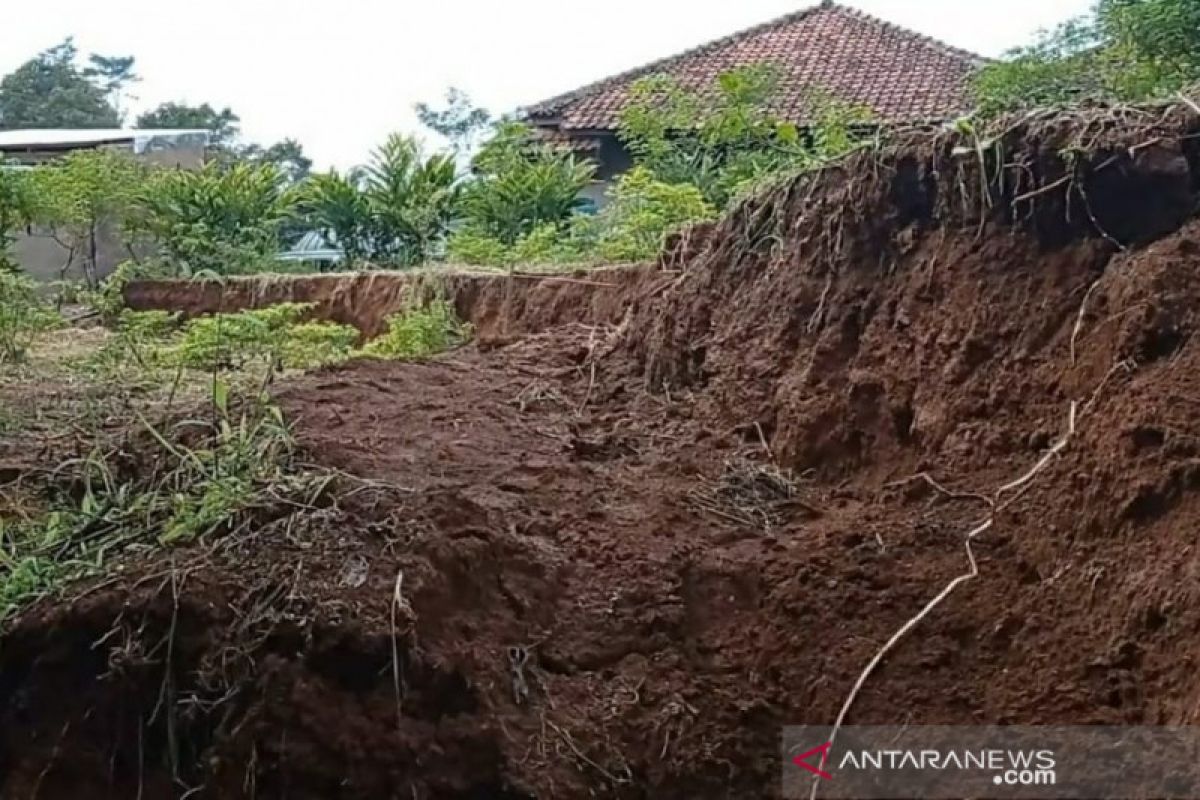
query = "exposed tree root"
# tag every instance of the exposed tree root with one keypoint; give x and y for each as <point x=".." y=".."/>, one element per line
<point x="996" y="504"/>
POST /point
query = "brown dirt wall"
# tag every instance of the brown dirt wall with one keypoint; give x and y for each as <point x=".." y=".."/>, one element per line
<point x="500" y="306"/>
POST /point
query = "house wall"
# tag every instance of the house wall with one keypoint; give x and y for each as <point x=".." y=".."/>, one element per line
<point x="43" y="258"/>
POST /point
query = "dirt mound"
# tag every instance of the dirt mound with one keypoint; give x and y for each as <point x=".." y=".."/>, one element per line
<point x="613" y="560"/>
<point x="500" y="305"/>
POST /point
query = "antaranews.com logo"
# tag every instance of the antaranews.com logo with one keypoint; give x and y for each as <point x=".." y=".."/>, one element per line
<point x="1008" y="767"/>
<point x="1029" y="763"/>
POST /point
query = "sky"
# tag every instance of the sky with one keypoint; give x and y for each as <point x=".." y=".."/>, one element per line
<point x="340" y="75"/>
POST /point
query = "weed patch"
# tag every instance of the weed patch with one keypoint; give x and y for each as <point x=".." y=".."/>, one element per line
<point x="23" y="316"/>
<point x="419" y="331"/>
<point x="268" y="337"/>
<point x="195" y="481"/>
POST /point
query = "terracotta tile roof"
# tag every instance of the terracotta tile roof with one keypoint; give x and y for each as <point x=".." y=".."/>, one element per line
<point x="900" y="75"/>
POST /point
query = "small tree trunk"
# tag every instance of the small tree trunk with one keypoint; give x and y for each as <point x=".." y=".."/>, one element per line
<point x="91" y="259"/>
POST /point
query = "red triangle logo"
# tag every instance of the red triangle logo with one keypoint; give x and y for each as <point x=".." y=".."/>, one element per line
<point x="802" y="760"/>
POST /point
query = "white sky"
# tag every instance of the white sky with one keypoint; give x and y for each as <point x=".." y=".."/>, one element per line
<point x="340" y="75"/>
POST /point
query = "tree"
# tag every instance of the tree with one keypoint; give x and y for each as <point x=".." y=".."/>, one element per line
<point x="82" y="193"/>
<point x="521" y="184"/>
<point x="395" y="210"/>
<point x="413" y="199"/>
<point x="220" y="219"/>
<point x="112" y="74"/>
<point x="727" y="140"/>
<point x="333" y="203"/>
<point x="461" y="122"/>
<point x="223" y="125"/>
<point x="1162" y="32"/>
<point x="1123" y="50"/>
<point x="50" y="91"/>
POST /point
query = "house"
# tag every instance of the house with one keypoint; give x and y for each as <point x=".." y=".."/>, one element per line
<point x="42" y="254"/>
<point x="830" y="49"/>
<point x="173" y="148"/>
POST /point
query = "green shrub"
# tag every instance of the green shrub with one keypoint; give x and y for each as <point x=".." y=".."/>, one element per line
<point x="315" y="344"/>
<point x="726" y="138"/>
<point x="521" y="184"/>
<point x="274" y="335"/>
<point x="221" y="220"/>
<point x="147" y="325"/>
<point x="395" y="211"/>
<point x="642" y="212"/>
<point x="23" y="316"/>
<point x="471" y="246"/>
<point x="16" y="210"/>
<point x="418" y="332"/>
<point x="109" y="298"/>
<point x="550" y="243"/>
<point x="233" y="340"/>
<point x="1123" y="50"/>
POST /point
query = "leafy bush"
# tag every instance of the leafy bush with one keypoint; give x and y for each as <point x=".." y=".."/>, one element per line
<point x="23" y="315"/>
<point x="470" y="246"/>
<point x="109" y="298"/>
<point x="230" y="341"/>
<point x="315" y="344"/>
<point x="1122" y="50"/>
<point x="550" y="243"/>
<point x="147" y="326"/>
<point x="220" y="220"/>
<point x="419" y="331"/>
<point x="642" y="212"/>
<point x="394" y="211"/>
<point x="274" y="334"/>
<point x="522" y="185"/>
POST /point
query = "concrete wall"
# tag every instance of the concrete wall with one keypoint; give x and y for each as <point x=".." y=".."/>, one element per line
<point x="44" y="259"/>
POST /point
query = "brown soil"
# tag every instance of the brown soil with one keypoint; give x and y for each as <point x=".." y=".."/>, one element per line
<point x="613" y="560"/>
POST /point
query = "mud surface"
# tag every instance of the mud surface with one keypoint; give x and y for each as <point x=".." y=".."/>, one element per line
<point x="613" y="558"/>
